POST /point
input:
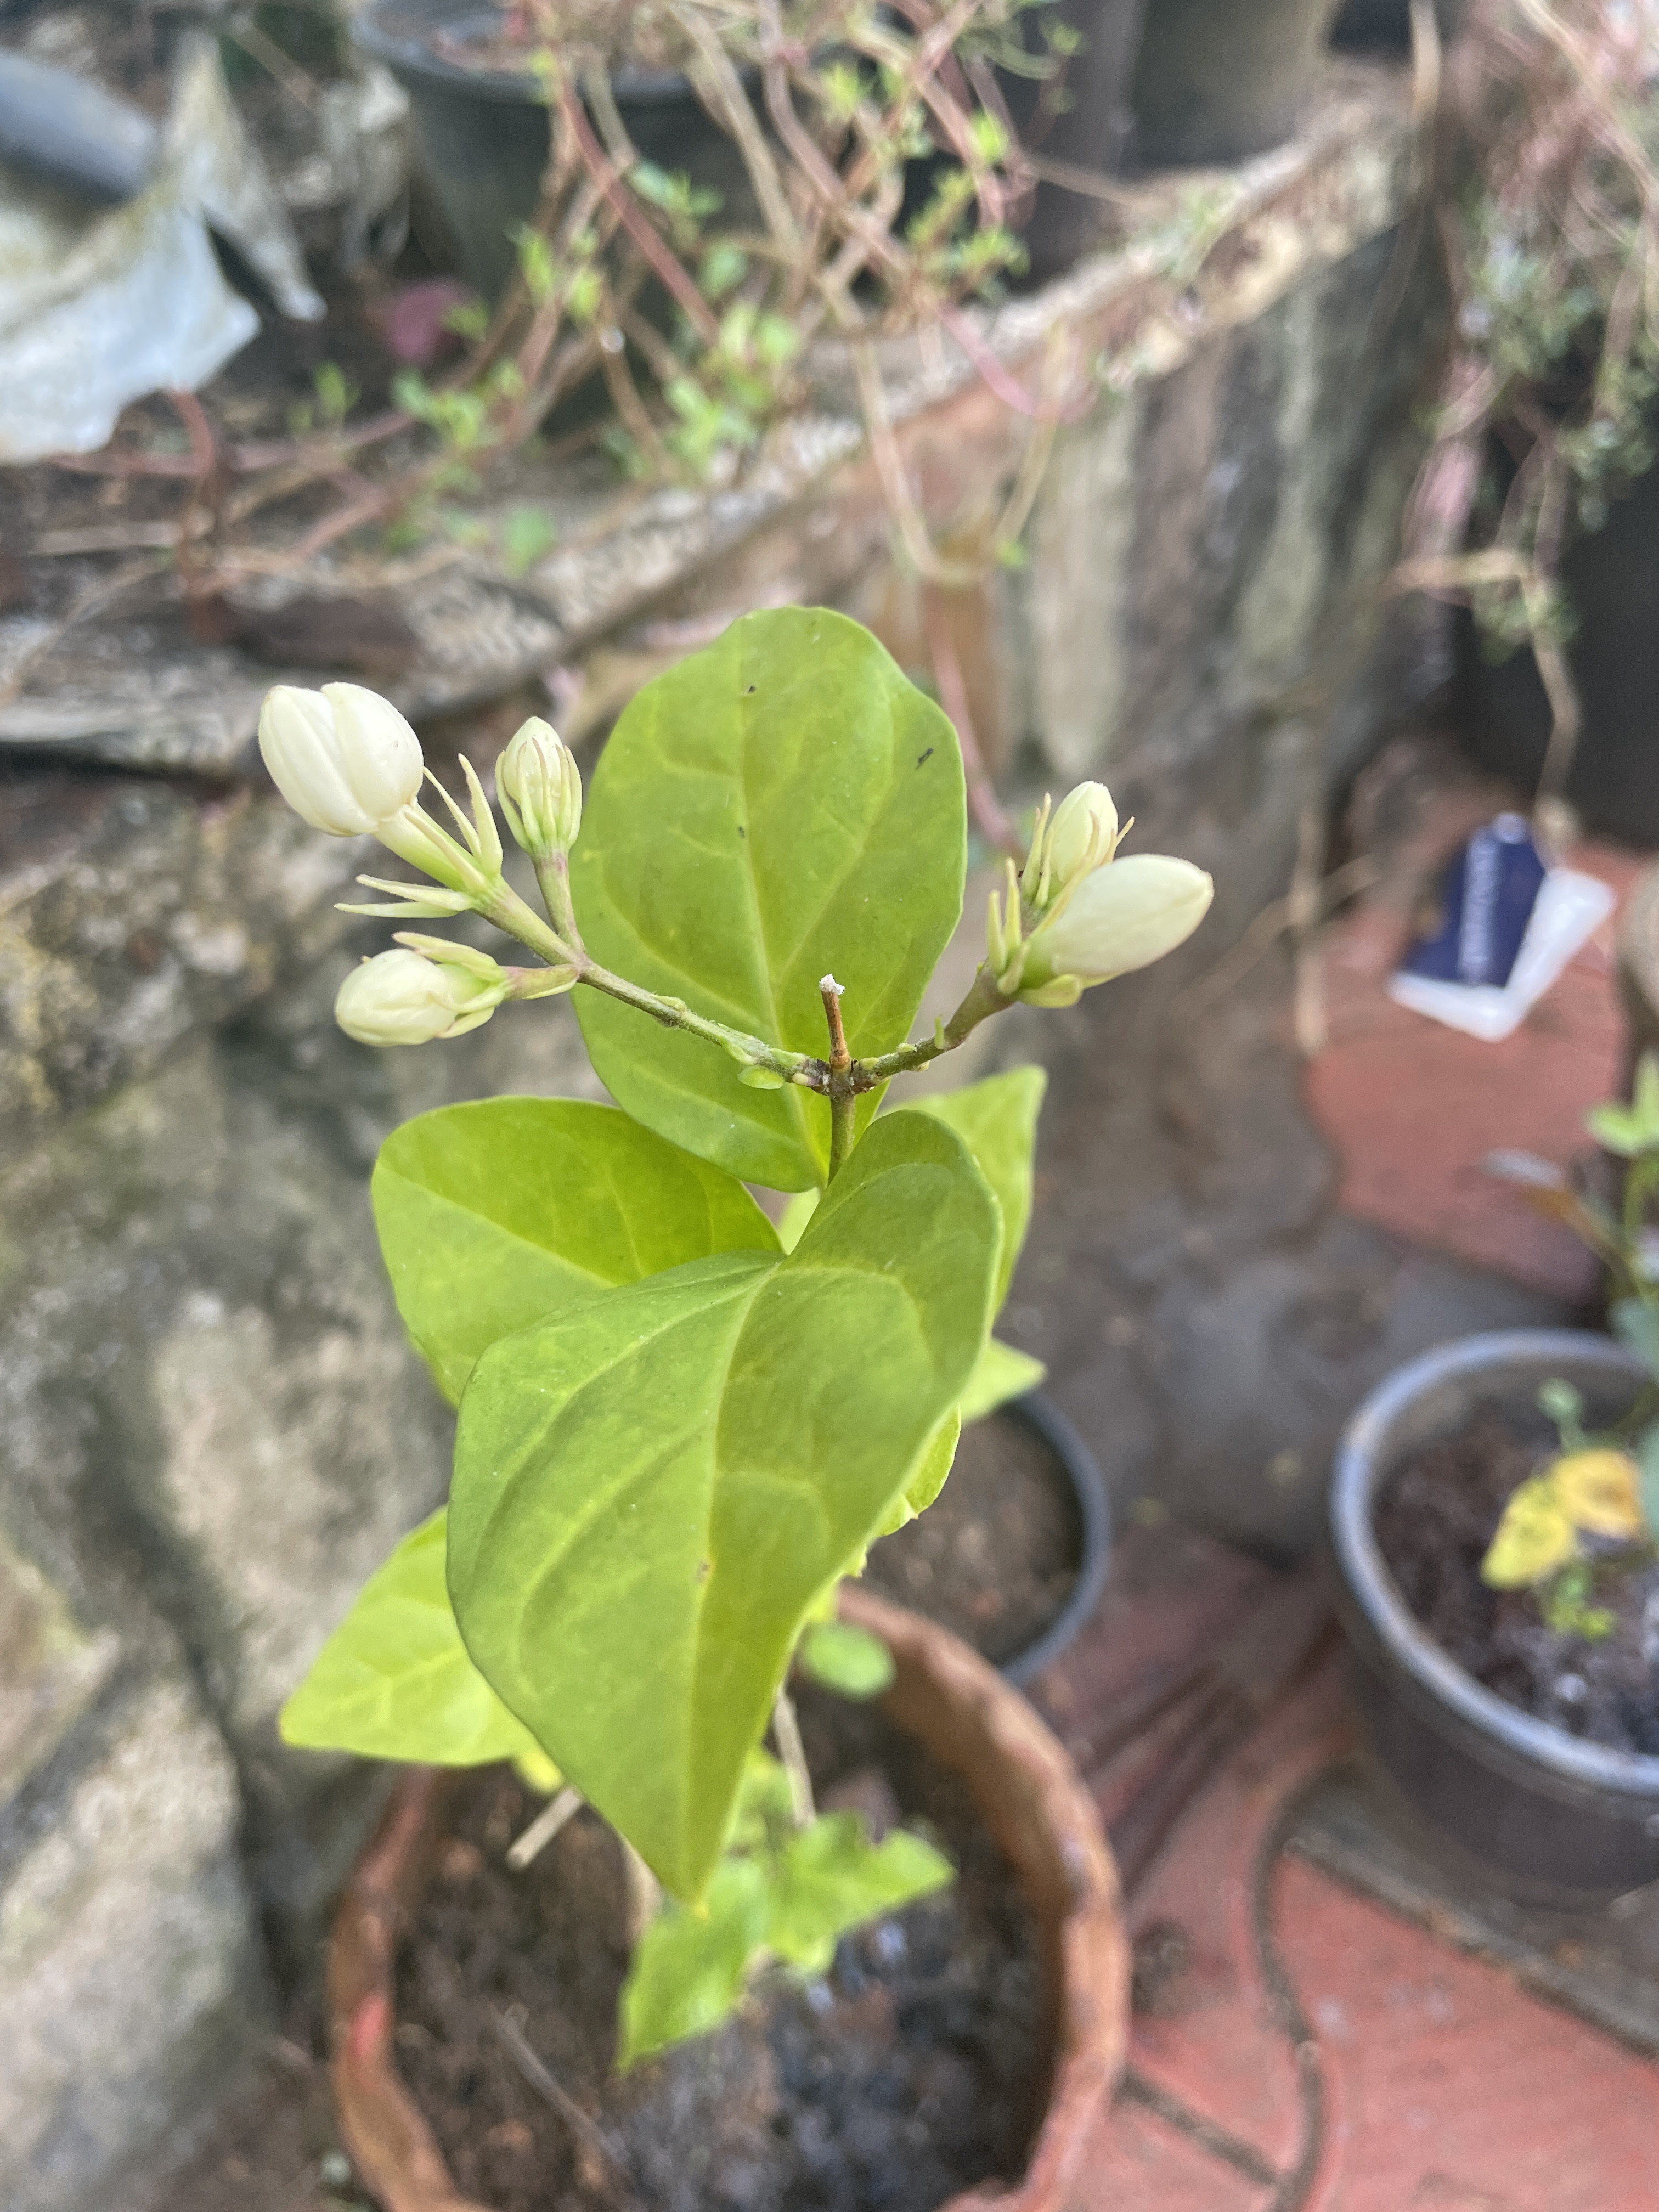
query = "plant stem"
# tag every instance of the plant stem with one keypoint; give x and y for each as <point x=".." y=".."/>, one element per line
<point x="509" y="912"/>
<point x="553" y="874"/>
<point x="983" y="999"/>
<point x="786" y="1729"/>
<point x="843" y="1103"/>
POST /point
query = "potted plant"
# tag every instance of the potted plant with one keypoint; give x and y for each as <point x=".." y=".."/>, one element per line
<point x="1534" y="510"/>
<point x="1495" y="1514"/>
<point x="679" y="1429"/>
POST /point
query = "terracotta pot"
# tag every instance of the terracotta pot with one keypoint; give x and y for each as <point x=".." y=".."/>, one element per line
<point x="1026" y="1791"/>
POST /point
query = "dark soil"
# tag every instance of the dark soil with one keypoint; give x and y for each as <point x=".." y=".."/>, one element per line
<point x="1435" y="1519"/>
<point x="915" y="2070"/>
<point x="995" y="1558"/>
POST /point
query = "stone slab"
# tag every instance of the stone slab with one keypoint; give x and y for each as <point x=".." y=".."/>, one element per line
<point x="51" y="1669"/>
<point x="132" y="1977"/>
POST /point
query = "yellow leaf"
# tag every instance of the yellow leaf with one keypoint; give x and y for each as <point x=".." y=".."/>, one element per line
<point x="1598" y="1491"/>
<point x="1534" y="1537"/>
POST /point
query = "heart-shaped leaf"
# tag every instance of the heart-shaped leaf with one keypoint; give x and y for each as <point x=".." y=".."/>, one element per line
<point x="395" y="1682"/>
<point x="782" y="806"/>
<point x="653" y="1488"/>
<point x="494" y="1215"/>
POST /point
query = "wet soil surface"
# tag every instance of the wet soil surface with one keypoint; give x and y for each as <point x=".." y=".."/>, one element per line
<point x="995" y="1556"/>
<point x="1434" y="1521"/>
<point x="912" y="2071"/>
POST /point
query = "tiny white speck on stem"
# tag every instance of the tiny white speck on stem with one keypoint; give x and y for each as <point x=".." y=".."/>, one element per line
<point x="828" y="983"/>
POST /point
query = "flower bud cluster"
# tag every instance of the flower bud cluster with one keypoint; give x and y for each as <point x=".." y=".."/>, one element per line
<point x="1078" y="915"/>
<point x="349" y="763"/>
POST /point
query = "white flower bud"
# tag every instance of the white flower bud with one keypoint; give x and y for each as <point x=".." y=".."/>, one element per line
<point x="1119" y="919"/>
<point x="403" y="998"/>
<point x="540" y="788"/>
<point x="1083" y="835"/>
<point x="343" y="757"/>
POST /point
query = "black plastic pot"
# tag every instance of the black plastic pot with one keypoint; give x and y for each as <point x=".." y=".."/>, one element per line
<point x="1094" y="132"/>
<point x="1612" y="577"/>
<point x="1094" y="1513"/>
<point x="1224" y="80"/>
<point x="481" y="134"/>
<point x="1384" y="27"/>
<point x="1550" y="1819"/>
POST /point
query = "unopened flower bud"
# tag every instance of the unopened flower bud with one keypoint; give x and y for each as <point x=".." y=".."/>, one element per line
<point x="1117" y="920"/>
<point x="343" y="757"/>
<point x="1083" y="835"/>
<point x="540" y="788"/>
<point x="404" y="998"/>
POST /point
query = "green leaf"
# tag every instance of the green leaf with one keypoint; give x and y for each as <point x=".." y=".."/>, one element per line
<point x="394" y="1680"/>
<point x="766" y="1804"/>
<point x="782" y="806"/>
<point x="494" y="1216"/>
<point x="926" y="1478"/>
<point x="1616" y="1129"/>
<point x="830" y="1878"/>
<point x="689" y="1968"/>
<point x="1001" y="1373"/>
<point x="997" y="1120"/>
<point x="798" y="1210"/>
<point x="849" y="1660"/>
<point x="1647" y="1462"/>
<point x="652" y="1489"/>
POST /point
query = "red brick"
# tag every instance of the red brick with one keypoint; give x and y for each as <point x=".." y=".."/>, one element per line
<point x="1140" y="2163"/>
<point x="1447" y="2088"/>
<point x="1215" y="2042"/>
<point x="1173" y="1595"/>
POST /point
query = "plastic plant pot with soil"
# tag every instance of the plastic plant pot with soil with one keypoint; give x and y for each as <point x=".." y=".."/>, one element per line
<point x="1225" y="80"/>
<point x="1484" y="1719"/>
<point x="1014" y="1554"/>
<point x="763" y="2086"/>
<point x="480" y="126"/>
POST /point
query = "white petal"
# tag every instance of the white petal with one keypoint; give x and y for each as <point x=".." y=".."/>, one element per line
<point x="1087" y="809"/>
<point x="380" y="756"/>
<point x="1126" y="916"/>
<point x="299" y="745"/>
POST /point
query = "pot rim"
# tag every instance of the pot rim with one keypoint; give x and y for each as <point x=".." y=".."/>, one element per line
<point x="1360" y="1466"/>
<point x="965" y="1713"/>
<point x="1043" y="1418"/>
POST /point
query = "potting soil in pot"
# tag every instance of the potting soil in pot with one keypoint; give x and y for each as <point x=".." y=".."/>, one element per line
<point x="914" y="2070"/>
<point x="1435" y="1518"/>
<point x="994" y="1557"/>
